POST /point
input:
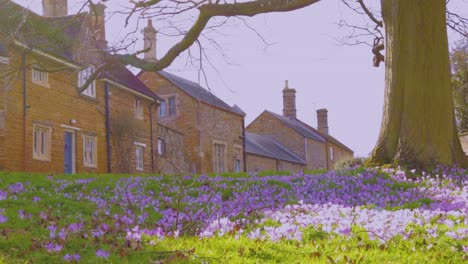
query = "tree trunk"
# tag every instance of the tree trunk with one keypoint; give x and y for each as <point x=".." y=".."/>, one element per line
<point x="418" y="127"/>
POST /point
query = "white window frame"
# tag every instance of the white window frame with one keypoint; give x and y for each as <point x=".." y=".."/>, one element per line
<point x="163" y="109"/>
<point x="4" y="60"/>
<point x="139" y="157"/>
<point x="38" y="76"/>
<point x="161" y="147"/>
<point x="331" y="153"/>
<point x="83" y="76"/>
<point x="41" y="147"/>
<point x="90" y="151"/>
<point x="138" y="108"/>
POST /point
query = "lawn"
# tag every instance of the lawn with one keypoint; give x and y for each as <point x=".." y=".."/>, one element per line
<point x="348" y="216"/>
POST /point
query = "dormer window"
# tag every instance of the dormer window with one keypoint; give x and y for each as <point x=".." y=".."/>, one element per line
<point x="83" y="76"/>
<point x="39" y="76"/>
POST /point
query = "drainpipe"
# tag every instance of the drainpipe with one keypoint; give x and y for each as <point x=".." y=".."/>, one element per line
<point x="151" y="131"/>
<point x="244" y="157"/>
<point x="108" y="139"/>
<point x="326" y="154"/>
<point x="25" y="111"/>
<point x="306" y="154"/>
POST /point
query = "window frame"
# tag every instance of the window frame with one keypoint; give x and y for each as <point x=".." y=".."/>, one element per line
<point x="83" y="76"/>
<point x="35" y="72"/>
<point x="163" y="109"/>
<point x="139" y="157"/>
<point x="138" y="108"/>
<point x="331" y="153"/>
<point x="45" y="144"/>
<point x="93" y="163"/>
<point x="161" y="147"/>
<point x="171" y="109"/>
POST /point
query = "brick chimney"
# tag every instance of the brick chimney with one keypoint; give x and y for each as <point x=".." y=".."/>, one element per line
<point x="54" y="8"/>
<point x="149" y="37"/>
<point x="289" y="101"/>
<point x="322" y="120"/>
<point x="98" y="24"/>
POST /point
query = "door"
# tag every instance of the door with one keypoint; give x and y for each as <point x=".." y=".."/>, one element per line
<point x="69" y="158"/>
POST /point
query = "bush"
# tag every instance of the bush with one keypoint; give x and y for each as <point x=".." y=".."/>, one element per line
<point x="350" y="163"/>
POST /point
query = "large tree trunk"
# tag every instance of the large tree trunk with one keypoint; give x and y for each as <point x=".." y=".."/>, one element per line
<point x="418" y="127"/>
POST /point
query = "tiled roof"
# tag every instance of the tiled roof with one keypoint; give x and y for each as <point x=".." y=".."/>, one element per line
<point x="59" y="36"/>
<point x="56" y="36"/>
<point x="299" y="127"/>
<point x="329" y="137"/>
<point x="198" y="92"/>
<point x="267" y="147"/>
<point x="123" y="76"/>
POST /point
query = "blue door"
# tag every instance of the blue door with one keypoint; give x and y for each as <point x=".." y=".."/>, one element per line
<point x="68" y="152"/>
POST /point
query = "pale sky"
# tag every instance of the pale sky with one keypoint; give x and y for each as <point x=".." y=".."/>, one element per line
<point x="305" y="49"/>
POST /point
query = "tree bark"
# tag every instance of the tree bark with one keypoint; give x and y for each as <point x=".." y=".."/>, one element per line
<point x="418" y="127"/>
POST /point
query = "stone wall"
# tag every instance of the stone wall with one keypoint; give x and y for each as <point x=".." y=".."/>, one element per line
<point x="201" y="124"/>
<point x="173" y="160"/>
<point x="464" y="142"/>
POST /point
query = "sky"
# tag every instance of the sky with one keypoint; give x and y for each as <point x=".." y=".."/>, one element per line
<point x="304" y="47"/>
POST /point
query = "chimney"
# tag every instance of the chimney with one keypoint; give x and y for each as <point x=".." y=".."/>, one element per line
<point x="289" y="101"/>
<point x="54" y="8"/>
<point x="149" y="35"/>
<point x="98" y="24"/>
<point x="322" y="120"/>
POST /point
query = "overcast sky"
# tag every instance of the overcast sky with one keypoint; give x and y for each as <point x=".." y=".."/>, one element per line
<point x="304" y="48"/>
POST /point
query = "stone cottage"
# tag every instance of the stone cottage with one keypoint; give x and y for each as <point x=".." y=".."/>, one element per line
<point x="316" y="148"/>
<point x="56" y="118"/>
<point x="213" y="130"/>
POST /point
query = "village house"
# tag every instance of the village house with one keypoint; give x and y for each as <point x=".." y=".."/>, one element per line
<point x="213" y="131"/>
<point x="56" y="118"/>
<point x="303" y="147"/>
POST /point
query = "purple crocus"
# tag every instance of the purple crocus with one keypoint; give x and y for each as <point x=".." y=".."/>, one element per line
<point x="100" y="253"/>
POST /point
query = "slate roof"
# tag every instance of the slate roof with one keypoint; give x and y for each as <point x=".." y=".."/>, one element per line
<point x="299" y="127"/>
<point x="58" y="36"/>
<point x="198" y="92"/>
<point x="120" y="74"/>
<point x="267" y="147"/>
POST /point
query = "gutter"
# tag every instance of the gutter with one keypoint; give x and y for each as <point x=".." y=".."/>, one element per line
<point x="71" y="65"/>
<point x="129" y="90"/>
<point x="151" y="132"/>
<point x="107" y="117"/>
<point x="244" y="157"/>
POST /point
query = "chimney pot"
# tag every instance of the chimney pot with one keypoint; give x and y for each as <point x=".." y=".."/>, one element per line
<point x="54" y="8"/>
<point x="322" y="120"/>
<point x="98" y="24"/>
<point x="149" y="42"/>
<point x="289" y="101"/>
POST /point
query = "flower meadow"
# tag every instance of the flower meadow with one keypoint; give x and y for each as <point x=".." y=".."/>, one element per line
<point x="348" y="216"/>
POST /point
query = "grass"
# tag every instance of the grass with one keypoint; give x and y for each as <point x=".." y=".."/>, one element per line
<point x="67" y="199"/>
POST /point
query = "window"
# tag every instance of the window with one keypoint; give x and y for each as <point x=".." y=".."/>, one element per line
<point x="161" y="147"/>
<point x="39" y="76"/>
<point x="41" y="142"/>
<point x="237" y="165"/>
<point x="4" y="60"/>
<point x="219" y="155"/>
<point x="83" y="76"/>
<point x="138" y="108"/>
<point x="171" y="101"/>
<point x="331" y="153"/>
<point x="90" y="151"/>
<point x="139" y="152"/>
<point x="162" y="109"/>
